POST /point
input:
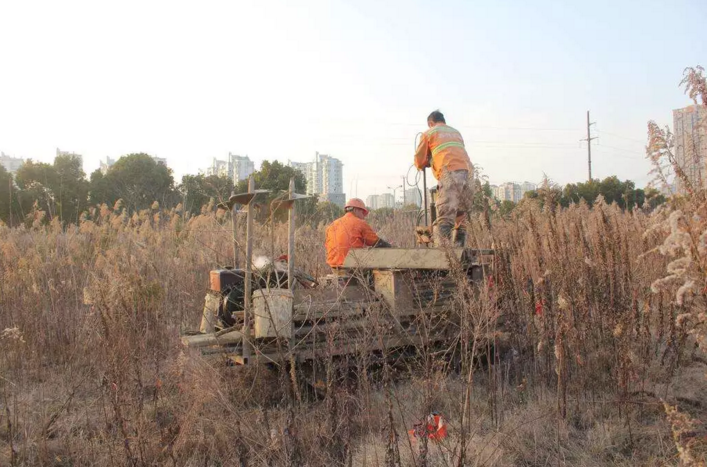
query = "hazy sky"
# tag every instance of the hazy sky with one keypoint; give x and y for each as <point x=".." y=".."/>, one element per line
<point x="281" y="80"/>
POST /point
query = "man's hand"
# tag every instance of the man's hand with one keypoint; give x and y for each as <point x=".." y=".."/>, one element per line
<point x="422" y="154"/>
<point x="382" y="244"/>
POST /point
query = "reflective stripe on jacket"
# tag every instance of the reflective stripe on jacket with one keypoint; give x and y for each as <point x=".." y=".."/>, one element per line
<point x="346" y="233"/>
<point x="446" y="147"/>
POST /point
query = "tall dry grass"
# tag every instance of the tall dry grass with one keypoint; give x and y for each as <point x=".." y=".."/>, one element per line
<point x="563" y="358"/>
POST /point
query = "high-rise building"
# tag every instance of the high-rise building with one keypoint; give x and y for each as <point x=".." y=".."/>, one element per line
<point x="385" y="201"/>
<point x="527" y="187"/>
<point x="9" y="163"/>
<point x="235" y="167"/>
<point x="218" y="168"/>
<point x="332" y="182"/>
<point x="241" y="167"/>
<point x="162" y="161"/>
<point x="512" y="191"/>
<point x="104" y="165"/>
<point x="377" y="201"/>
<point x="337" y="199"/>
<point x="413" y="196"/>
<point x="517" y="193"/>
<point x="302" y="167"/>
<point x="505" y="191"/>
<point x="690" y="145"/>
<point x="324" y="177"/>
<point x="307" y="170"/>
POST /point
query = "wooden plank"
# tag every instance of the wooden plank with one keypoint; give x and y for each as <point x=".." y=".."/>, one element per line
<point x="400" y="258"/>
<point x="247" y="307"/>
<point x="415" y="258"/>
<point x="311" y="311"/>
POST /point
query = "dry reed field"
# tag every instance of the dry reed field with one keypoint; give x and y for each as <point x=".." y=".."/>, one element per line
<point x="585" y="346"/>
<point x="600" y="313"/>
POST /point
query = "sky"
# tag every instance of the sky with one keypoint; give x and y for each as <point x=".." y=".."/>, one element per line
<point x="192" y="81"/>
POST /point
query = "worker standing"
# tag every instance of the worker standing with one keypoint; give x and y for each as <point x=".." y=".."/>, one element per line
<point x="350" y="231"/>
<point x="442" y="148"/>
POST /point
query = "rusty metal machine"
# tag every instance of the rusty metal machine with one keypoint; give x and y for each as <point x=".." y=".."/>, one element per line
<point x="380" y="300"/>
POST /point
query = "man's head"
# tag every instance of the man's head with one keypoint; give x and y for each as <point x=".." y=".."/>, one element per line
<point x="436" y="117"/>
<point x="357" y="207"/>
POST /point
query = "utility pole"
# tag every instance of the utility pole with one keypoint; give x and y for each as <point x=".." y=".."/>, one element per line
<point x="404" y="192"/>
<point x="589" y="139"/>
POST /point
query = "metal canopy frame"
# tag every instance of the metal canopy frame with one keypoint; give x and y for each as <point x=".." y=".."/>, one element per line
<point x="288" y="203"/>
<point x="242" y="199"/>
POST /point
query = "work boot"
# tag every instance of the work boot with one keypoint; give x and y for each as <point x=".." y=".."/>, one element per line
<point x="442" y="234"/>
<point x="460" y="237"/>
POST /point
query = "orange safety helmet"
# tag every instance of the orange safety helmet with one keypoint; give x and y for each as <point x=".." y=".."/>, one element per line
<point x="356" y="203"/>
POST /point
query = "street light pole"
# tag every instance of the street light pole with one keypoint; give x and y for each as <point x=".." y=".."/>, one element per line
<point x="394" y="194"/>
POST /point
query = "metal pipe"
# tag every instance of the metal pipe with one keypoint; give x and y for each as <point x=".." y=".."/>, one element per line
<point x="291" y="235"/>
<point x="425" y="197"/>
<point x="247" y="308"/>
<point x="291" y="251"/>
<point x="234" y="228"/>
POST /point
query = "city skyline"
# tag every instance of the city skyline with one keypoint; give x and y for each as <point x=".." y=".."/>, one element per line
<point x="509" y="190"/>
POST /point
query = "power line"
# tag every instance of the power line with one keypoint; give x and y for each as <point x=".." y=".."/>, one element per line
<point x="620" y="136"/>
<point x="622" y="149"/>
<point x="552" y="129"/>
<point x="604" y="151"/>
<point x="500" y="144"/>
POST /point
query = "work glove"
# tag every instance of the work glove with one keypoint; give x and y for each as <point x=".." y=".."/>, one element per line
<point x="382" y="244"/>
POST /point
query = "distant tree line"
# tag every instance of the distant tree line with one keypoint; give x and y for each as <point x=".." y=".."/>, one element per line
<point x="611" y="189"/>
<point x="61" y="190"/>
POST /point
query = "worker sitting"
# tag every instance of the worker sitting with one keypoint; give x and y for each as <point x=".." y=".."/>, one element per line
<point x="350" y="231"/>
<point x="452" y="168"/>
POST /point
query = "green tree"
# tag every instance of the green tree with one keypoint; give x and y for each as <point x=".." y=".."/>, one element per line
<point x="136" y="179"/>
<point x="482" y="195"/>
<point x="326" y="212"/>
<point x="611" y="189"/>
<point x="587" y="191"/>
<point x="507" y="206"/>
<point x="275" y="177"/>
<point x="71" y="188"/>
<point x="99" y="189"/>
<point x="197" y="190"/>
<point x="8" y="197"/>
<point x="36" y="183"/>
<point x="653" y="197"/>
<point x="59" y="189"/>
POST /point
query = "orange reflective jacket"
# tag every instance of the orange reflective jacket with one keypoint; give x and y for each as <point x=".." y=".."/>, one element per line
<point x="446" y="147"/>
<point x="345" y="233"/>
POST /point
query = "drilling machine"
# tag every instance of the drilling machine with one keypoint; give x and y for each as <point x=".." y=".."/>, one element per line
<point x="380" y="300"/>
